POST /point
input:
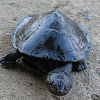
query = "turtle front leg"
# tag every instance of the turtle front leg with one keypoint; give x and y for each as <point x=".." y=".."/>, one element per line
<point x="59" y="80"/>
<point x="79" y="66"/>
<point x="9" y="61"/>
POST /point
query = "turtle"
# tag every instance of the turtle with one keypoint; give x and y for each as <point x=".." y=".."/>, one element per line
<point x="53" y="44"/>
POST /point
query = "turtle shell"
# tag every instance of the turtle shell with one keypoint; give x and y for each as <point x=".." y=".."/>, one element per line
<point x="51" y="35"/>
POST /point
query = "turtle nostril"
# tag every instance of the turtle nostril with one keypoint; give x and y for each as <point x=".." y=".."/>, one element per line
<point x="60" y="87"/>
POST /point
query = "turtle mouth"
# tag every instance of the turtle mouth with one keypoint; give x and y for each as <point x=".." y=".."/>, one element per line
<point x="58" y="83"/>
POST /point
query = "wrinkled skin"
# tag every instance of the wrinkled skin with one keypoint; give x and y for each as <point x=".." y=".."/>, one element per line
<point x="59" y="80"/>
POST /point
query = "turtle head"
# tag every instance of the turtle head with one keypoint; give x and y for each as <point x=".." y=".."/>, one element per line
<point x="58" y="83"/>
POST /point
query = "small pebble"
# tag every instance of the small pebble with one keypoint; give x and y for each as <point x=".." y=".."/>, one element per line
<point x="87" y="17"/>
<point x="15" y="18"/>
<point x="7" y="33"/>
<point x="97" y="59"/>
<point x="88" y="88"/>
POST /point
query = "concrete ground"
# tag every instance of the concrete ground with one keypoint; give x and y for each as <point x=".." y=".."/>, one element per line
<point x="22" y="84"/>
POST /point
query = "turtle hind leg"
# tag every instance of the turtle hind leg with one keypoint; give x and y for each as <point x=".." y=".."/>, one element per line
<point x="9" y="61"/>
<point x="79" y="66"/>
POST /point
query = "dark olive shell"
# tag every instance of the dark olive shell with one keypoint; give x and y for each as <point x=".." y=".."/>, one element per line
<point x="51" y="35"/>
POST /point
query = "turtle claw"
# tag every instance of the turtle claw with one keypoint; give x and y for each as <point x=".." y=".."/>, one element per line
<point x="81" y="67"/>
<point x="7" y="63"/>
